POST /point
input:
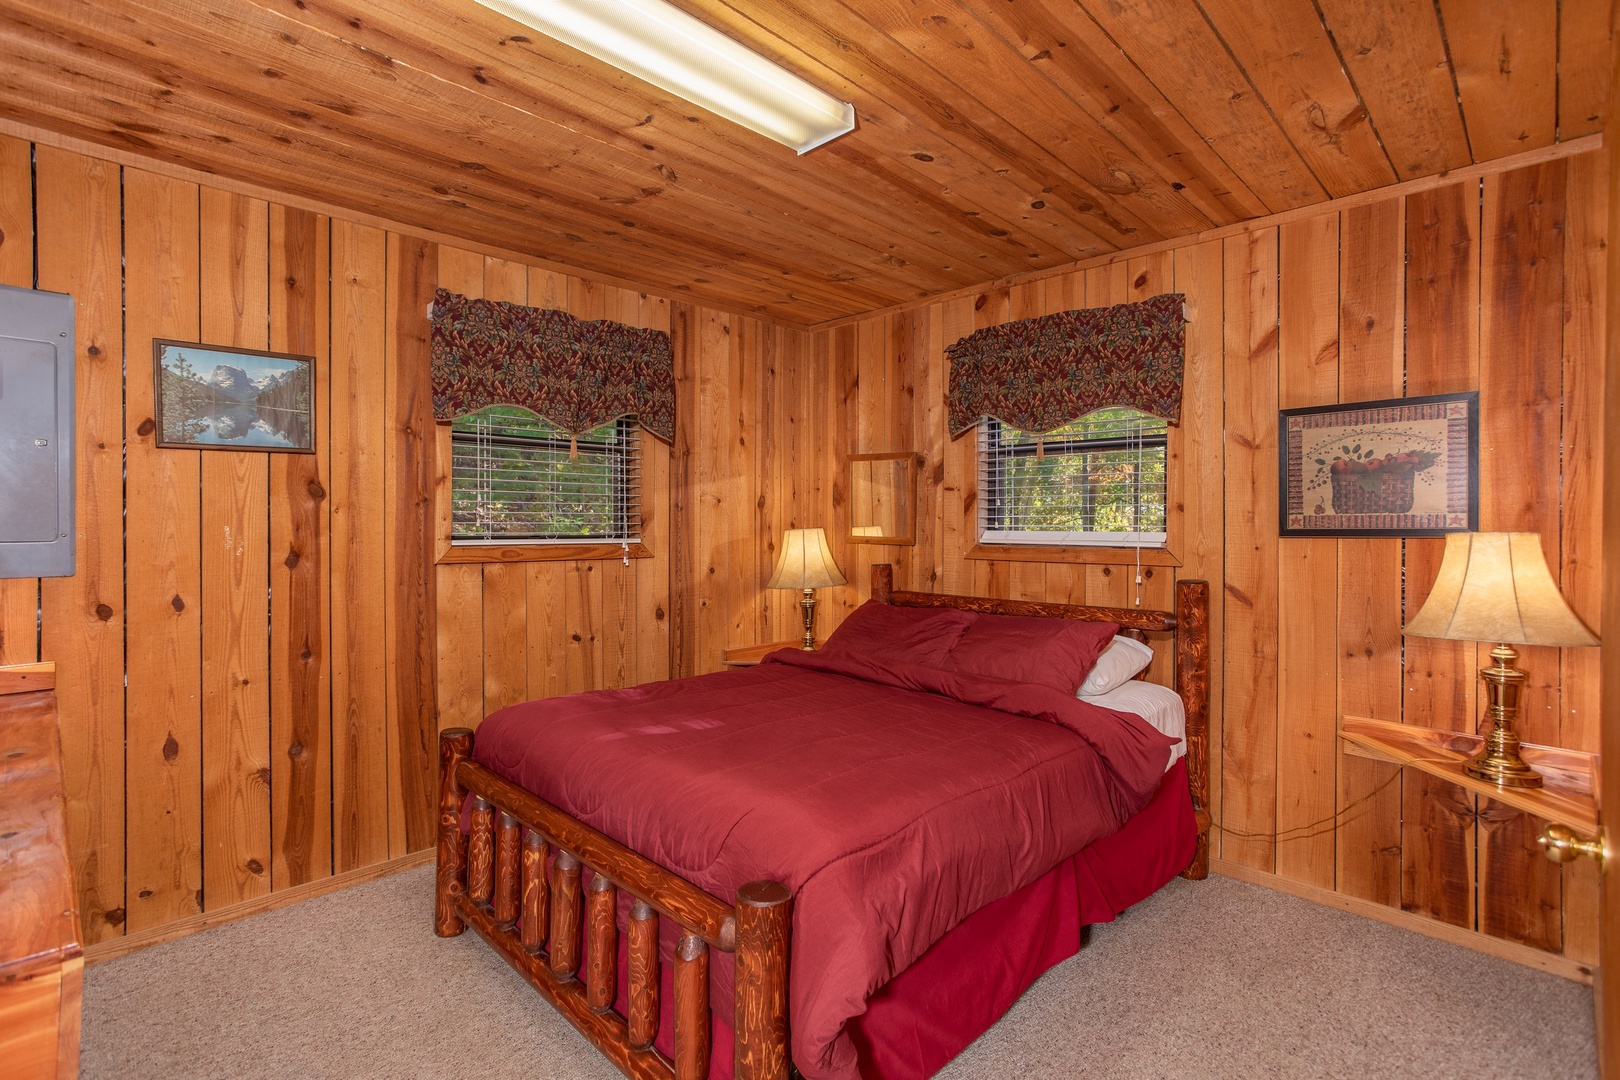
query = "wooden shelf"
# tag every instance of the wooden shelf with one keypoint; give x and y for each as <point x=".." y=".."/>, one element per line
<point x="1571" y="795"/>
<point x="749" y="655"/>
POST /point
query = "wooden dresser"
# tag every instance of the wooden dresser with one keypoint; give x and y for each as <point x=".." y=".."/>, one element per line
<point x="41" y="960"/>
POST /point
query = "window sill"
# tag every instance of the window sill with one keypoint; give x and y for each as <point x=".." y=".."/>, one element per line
<point x="522" y="553"/>
<point x="1112" y="556"/>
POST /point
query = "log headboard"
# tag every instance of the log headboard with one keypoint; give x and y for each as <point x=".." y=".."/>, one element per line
<point x="1190" y="625"/>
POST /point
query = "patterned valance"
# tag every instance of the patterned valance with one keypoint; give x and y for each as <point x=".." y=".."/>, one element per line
<point x="1037" y="375"/>
<point x="569" y="372"/>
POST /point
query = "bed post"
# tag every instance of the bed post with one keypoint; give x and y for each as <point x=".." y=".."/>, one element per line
<point x="455" y="746"/>
<point x="882" y="582"/>
<point x="1192" y="683"/>
<point x="764" y="925"/>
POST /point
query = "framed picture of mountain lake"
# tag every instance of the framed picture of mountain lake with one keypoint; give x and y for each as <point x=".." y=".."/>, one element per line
<point x="1401" y="467"/>
<point x="212" y="397"/>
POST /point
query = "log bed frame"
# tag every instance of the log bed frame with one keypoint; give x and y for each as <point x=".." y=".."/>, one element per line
<point x="489" y="878"/>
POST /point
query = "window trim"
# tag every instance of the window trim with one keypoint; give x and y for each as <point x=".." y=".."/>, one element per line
<point x="452" y="552"/>
<point x="1097" y="547"/>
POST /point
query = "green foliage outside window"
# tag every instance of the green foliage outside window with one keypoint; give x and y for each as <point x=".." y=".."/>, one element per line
<point x="1103" y="473"/>
<point x="516" y="477"/>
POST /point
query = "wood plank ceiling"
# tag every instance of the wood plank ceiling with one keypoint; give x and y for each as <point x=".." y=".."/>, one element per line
<point x="995" y="136"/>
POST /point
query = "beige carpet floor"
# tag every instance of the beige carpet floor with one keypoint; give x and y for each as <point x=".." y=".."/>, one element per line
<point x="1211" y="979"/>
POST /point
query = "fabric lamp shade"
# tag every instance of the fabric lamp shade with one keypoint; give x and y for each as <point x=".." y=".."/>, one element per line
<point x="1496" y="587"/>
<point x="806" y="562"/>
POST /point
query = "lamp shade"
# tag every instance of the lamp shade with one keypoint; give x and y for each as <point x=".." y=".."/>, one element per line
<point x="1496" y="587"/>
<point x="805" y="562"/>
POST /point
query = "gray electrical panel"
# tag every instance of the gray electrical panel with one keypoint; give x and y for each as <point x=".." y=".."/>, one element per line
<point x="36" y="433"/>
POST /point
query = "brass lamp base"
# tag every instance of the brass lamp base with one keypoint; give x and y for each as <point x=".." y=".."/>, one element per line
<point x="809" y="606"/>
<point x="1498" y="762"/>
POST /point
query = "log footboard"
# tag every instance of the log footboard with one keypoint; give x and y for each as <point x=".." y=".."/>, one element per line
<point x="496" y="881"/>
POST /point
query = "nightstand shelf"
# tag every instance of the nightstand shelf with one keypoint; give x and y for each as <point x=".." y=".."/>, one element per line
<point x="749" y="655"/>
<point x="1570" y="795"/>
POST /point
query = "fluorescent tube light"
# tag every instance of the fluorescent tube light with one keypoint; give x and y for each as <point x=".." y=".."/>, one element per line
<point x="671" y="49"/>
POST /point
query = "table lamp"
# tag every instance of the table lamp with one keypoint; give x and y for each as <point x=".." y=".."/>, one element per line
<point x="806" y="563"/>
<point x="1496" y="587"/>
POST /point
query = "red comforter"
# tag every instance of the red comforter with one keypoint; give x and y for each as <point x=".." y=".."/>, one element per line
<point x="894" y="800"/>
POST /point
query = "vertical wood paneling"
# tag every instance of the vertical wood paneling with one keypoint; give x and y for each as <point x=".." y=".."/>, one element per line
<point x="1440" y="682"/>
<point x="459" y="587"/>
<point x="300" y="561"/>
<point x="235" y="542"/>
<point x="1249" y="763"/>
<point x="1371" y="366"/>
<point x="1200" y="277"/>
<point x="1307" y="567"/>
<point x="19" y="597"/>
<point x="163" y="720"/>
<point x="505" y="586"/>
<point x="1585" y="303"/>
<point x="360" y="768"/>
<point x="82" y="620"/>
<point x="1521" y="397"/>
<point x="413" y="269"/>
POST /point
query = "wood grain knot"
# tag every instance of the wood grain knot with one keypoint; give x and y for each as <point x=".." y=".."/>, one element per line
<point x="291" y="561"/>
<point x="255" y="866"/>
<point x="147" y="427"/>
<point x="316" y="492"/>
<point x="94" y="350"/>
<point x="295" y="751"/>
<point x="103" y="612"/>
<point x="171" y="749"/>
<point x="178" y="604"/>
<point x="115" y="917"/>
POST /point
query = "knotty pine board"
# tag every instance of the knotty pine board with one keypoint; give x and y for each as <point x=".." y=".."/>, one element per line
<point x="300" y="561"/>
<point x="19" y="597"/>
<point x="1372" y="243"/>
<point x="163" y="583"/>
<point x="1440" y="683"/>
<point x="235" y="542"/>
<point x="1585" y="301"/>
<point x="360" y="817"/>
<point x="83" y="616"/>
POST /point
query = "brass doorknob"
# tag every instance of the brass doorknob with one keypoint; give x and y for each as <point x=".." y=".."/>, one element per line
<point x="1564" y="845"/>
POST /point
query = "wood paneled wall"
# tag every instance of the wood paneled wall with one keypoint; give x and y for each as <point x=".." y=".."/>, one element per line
<point x="1494" y="284"/>
<point x="257" y="650"/>
<point x="246" y="702"/>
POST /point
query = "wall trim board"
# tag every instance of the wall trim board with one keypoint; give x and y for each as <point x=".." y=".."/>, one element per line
<point x="113" y="948"/>
<point x="1555" y="152"/>
<point x="26" y="678"/>
<point x="129" y="159"/>
<point x="1468" y="939"/>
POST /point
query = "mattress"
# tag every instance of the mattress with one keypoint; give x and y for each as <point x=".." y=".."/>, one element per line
<point x="1159" y="705"/>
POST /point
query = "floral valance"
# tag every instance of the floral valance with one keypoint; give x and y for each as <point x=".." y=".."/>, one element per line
<point x="1040" y="374"/>
<point x="570" y="372"/>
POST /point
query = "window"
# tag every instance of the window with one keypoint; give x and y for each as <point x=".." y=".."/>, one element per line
<point x="512" y="479"/>
<point x="1098" y="481"/>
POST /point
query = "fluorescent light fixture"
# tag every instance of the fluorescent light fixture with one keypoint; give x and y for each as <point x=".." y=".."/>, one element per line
<point x="670" y="49"/>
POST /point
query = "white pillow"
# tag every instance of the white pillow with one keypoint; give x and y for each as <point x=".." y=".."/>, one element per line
<point x="1118" y="664"/>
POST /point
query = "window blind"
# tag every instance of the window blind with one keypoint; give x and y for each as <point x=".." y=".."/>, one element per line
<point x="515" y="477"/>
<point x="1097" y="481"/>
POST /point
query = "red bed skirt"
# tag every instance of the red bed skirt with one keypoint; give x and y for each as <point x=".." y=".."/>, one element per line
<point x="968" y="980"/>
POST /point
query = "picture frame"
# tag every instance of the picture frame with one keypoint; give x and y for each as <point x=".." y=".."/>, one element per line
<point x="219" y="397"/>
<point x="1395" y="467"/>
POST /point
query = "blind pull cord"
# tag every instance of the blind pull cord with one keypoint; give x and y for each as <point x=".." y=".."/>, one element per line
<point x="573" y="448"/>
<point x="1040" y="448"/>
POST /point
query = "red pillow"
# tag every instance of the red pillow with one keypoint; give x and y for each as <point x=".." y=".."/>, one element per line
<point x="904" y="634"/>
<point x="1050" y="652"/>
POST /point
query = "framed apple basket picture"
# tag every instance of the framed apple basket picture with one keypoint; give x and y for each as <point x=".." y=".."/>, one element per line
<point x="1401" y="467"/>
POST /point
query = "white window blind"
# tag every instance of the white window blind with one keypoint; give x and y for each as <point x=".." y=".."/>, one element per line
<point x="1098" y="481"/>
<point x="512" y="479"/>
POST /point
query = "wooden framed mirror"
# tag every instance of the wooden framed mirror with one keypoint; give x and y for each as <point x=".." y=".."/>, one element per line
<point x="883" y="499"/>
